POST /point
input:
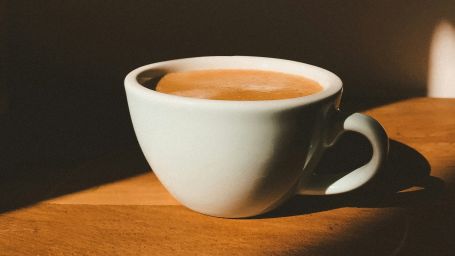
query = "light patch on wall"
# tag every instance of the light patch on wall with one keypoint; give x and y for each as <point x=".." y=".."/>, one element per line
<point x="441" y="74"/>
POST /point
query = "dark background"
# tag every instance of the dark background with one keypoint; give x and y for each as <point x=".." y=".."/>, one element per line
<point x="63" y="62"/>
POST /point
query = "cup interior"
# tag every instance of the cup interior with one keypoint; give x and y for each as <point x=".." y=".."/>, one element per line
<point x="149" y="75"/>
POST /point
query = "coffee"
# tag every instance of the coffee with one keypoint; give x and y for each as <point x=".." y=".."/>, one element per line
<point x="237" y="84"/>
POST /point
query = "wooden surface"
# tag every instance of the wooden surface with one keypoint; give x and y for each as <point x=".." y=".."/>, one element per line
<point x="408" y="211"/>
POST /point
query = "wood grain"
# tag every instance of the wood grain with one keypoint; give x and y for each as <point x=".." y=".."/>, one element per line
<point x="144" y="189"/>
<point x="136" y="216"/>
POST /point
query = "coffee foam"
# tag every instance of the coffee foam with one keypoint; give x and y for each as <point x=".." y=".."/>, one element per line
<point x="230" y="84"/>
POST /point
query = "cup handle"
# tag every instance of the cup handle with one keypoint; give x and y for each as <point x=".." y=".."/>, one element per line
<point x="324" y="184"/>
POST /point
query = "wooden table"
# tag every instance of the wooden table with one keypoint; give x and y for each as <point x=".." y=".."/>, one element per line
<point x="136" y="216"/>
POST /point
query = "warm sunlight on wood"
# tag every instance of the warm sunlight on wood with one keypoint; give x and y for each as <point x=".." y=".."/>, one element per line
<point x="144" y="189"/>
<point x="441" y="75"/>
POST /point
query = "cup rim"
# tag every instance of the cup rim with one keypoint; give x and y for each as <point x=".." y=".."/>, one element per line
<point x="332" y="84"/>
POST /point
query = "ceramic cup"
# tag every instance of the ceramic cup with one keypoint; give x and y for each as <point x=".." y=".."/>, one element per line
<point x="243" y="158"/>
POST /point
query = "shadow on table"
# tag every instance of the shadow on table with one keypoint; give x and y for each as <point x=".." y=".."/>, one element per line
<point x="27" y="184"/>
<point x="404" y="182"/>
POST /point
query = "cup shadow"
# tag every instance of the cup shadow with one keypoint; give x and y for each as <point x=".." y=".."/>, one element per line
<point x="404" y="182"/>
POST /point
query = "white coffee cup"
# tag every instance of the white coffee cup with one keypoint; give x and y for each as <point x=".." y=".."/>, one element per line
<point x="244" y="158"/>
